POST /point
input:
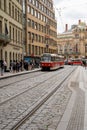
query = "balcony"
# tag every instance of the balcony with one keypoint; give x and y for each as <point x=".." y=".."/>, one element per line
<point x="4" y="39"/>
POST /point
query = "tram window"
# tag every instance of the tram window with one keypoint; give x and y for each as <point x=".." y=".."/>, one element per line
<point x="46" y="58"/>
<point x="57" y="59"/>
<point x="52" y="58"/>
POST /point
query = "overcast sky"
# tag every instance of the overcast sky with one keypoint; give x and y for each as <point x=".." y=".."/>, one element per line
<point x="69" y="12"/>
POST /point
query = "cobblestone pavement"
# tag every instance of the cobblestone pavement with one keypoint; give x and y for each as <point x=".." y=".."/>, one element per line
<point x="76" y="121"/>
<point x="66" y="110"/>
<point x="55" y="115"/>
<point x="75" y="116"/>
<point x="15" y="89"/>
<point x="15" y="109"/>
<point x="49" y="115"/>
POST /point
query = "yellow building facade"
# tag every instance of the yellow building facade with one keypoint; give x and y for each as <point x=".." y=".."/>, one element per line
<point x="11" y="30"/>
<point x="65" y="44"/>
<point x="73" y="42"/>
<point x="41" y="28"/>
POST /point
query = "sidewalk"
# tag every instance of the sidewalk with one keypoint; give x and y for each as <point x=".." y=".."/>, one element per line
<point x="11" y="74"/>
<point x="75" y="115"/>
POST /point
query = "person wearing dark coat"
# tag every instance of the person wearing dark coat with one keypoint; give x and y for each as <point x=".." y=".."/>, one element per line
<point x="2" y="67"/>
<point x="84" y="63"/>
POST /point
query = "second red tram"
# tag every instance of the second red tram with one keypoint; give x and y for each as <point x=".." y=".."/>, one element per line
<point x="75" y="62"/>
<point x="51" y="61"/>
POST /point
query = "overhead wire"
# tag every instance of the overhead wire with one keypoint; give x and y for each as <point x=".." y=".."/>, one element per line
<point x="59" y="10"/>
<point x="59" y="13"/>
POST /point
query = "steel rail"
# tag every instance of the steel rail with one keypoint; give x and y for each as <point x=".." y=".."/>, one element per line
<point x="19" y="123"/>
<point x="17" y="95"/>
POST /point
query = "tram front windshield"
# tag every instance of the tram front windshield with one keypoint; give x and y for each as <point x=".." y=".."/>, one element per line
<point x="46" y="58"/>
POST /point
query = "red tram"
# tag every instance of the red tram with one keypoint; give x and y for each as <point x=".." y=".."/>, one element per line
<point x="51" y="61"/>
<point x="75" y="62"/>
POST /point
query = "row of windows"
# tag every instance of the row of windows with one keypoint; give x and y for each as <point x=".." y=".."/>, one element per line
<point x="41" y="28"/>
<point x="82" y="37"/>
<point x="38" y="38"/>
<point x="41" y="17"/>
<point x="48" y="3"/>
<point x="45" y="10"/>
<point x="81" y="30"/>
<point x="12" y="10"/>
<point x="20" y="2"/>
<point x="37" y="50"/>
<point x="0" y="26"/>
<point x="3" y="5"/>
<point x="39" y="5"/>
<point x="15" y="13"/>
<point x="15" y="34"/>
<point x="11" y="56"/>
<point x="68" y="48"/>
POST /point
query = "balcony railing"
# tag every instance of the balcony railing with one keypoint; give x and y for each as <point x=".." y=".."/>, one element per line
<point x="4" y="39"/>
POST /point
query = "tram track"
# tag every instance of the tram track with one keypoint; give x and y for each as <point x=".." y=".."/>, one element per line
<point x="17" y="107"/>
<point x="40" y="103"/>
<point x="29" y="88"/>
<point x="17" y="79"/>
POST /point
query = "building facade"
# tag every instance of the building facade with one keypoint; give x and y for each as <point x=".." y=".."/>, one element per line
<point x="80" y="38"/>
<point x="65" y="44"/>
<point x="41" y="28"/>
<point x="73" y="42"/>
<point x="11" y="47"/>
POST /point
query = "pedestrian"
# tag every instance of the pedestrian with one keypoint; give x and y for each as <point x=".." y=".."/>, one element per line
<point x="14" y="66"/>
<point x="2" y="67"/>
<point x="5" y="66"/>
<point x="17" y="66"/>
<point x="11" y="66"/>
<point x="21" y="65"/>
<point x="31" y="64"/>
<point x="25" y="65"/>
<point x="84" y="63"/>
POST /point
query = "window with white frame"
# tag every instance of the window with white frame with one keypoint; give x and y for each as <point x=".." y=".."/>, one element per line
<point x="32" y="11"/>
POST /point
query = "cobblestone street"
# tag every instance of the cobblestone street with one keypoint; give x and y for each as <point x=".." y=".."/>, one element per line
<point x="65" y="110"/>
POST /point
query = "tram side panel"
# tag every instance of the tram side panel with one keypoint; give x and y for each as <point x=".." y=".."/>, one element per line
<point x="51" y="61"/>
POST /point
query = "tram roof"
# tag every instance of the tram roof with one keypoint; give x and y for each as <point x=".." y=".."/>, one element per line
<point x="52" y="54"/>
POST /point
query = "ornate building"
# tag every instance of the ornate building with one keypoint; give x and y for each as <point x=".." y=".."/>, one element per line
<point x="73" y="42"/>
<point x="65" y="44"/>
<point x="10" y="30"/>
<point x="80" y="38"/>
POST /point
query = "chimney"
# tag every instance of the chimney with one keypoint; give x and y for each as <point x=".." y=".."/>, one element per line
<point x="79" y="22"/>
<point x="66" y="27"/>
